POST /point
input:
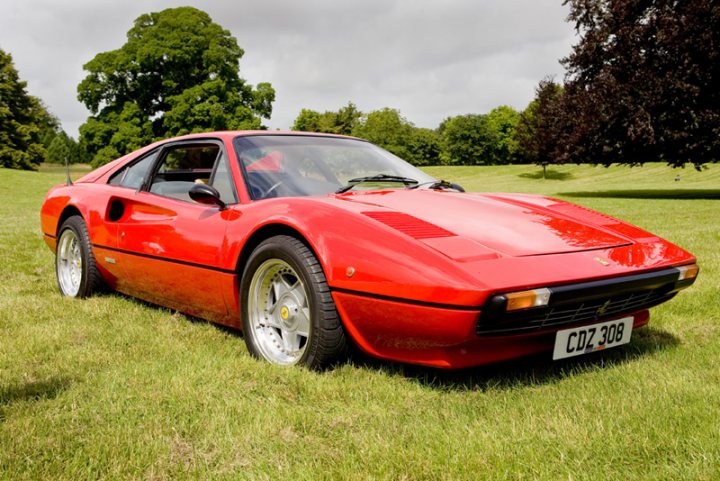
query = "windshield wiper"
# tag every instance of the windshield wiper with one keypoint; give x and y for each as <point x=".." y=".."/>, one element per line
<point x="377" y="178"/>
<point x="439" y="184"/>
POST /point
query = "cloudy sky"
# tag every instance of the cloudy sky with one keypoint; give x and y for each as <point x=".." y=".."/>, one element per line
<point x="429" y="59"/>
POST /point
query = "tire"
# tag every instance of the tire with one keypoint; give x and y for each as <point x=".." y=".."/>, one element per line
<point x="76" y="271"/>
<point x="288" y="314"/>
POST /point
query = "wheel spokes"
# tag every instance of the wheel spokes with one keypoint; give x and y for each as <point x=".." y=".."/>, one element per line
<point x="303" y="325"/>
<point x="69" y="263"/>
<point x="280" y="317"/>
<point x="292" y="342"/>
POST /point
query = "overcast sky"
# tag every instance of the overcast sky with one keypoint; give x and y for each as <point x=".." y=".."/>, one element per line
<point x="429" y="59"/>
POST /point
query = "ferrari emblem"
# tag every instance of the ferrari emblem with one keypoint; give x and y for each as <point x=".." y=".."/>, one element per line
<point x="602" y="261"/>
<point x="602" y="309"/>
<point x="284" y="312"/>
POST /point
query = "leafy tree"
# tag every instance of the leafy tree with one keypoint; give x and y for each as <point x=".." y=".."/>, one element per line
<point x="307" y="121"/>
<point x="347" y="119"/>
<point x="386" y="128"/>
<point x="424" y="146"/>
<point x="49" y="125"/>
<point x="60" y="148"/>
<point x="177" y="73"/>
<point x="540" y="125"/>
<point x="23" y="120"/>
<point x="503" y="120"/>
<point x="642" y="82"/>
<point x="116" y="133"/>
<point x="468" y="140"/>
<point x="341" y="122"/>
<point x="64" y="147"/>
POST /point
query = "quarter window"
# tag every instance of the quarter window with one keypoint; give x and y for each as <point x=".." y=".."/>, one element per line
<point x="133" y="176"/>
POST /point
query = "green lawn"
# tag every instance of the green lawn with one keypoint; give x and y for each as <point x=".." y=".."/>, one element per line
<point x="111" y="388"/>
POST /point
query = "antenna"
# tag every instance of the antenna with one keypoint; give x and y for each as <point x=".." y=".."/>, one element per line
<point x="67" y="171"/>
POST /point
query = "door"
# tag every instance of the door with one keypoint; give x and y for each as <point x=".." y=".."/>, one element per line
<point x="169" y="246"/>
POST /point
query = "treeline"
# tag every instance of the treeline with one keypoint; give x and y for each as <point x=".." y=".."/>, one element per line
<point x="473" y="139"/>
<point x="641" y="86"/>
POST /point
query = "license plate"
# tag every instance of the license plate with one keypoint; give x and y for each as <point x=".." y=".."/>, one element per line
<point x="596" y="337"/>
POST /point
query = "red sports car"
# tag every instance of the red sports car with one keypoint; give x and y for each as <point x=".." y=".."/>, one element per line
<point x="309" y="242"/>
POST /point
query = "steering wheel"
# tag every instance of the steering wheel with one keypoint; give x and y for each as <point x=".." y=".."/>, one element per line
<point x="271" y="189"/>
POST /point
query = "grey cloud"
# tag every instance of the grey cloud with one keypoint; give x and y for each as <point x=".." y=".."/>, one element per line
<point x="430" y="59"/>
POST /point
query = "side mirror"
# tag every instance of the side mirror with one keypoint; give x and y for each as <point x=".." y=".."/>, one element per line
<point x="457" y="187"/>
<point x="206" y="194"/>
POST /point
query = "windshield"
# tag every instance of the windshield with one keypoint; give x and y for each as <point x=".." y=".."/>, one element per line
<point x="295" y="165"/>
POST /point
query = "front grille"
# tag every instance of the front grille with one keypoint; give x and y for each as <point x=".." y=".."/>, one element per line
<point x="583" y="303"/>
<point x="577" y="313"/>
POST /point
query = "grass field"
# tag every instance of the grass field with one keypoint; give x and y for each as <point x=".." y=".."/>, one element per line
<point x="111" y="388"/>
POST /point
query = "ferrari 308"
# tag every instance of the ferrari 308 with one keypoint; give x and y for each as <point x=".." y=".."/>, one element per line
<point x="310" y="242"/>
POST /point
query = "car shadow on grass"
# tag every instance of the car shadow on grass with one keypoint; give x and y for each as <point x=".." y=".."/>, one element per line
<point x="529" y="371"/>
<point x="689" y="194"/>
<point x="32" y="391"/>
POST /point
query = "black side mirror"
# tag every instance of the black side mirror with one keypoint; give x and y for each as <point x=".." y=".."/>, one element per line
<point x="206" y="194"/>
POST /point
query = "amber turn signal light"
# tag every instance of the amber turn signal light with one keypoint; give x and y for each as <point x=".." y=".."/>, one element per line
<point x="527" y="299"/>
<point x="688" y="272"/>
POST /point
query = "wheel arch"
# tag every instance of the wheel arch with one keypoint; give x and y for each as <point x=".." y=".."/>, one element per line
<point x="265" y="232"/>
<point x="67" y="212"/>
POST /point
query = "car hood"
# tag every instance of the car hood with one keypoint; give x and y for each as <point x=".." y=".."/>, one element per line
<point x="506" y="224"/>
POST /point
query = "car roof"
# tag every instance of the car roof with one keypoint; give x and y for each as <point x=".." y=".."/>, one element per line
<point x="222" y="134"/>
<point x="230" y="134"/>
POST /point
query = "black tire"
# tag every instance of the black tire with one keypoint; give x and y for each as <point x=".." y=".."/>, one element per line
<point x="88" y="279"/>
<point x="281" y="261"/>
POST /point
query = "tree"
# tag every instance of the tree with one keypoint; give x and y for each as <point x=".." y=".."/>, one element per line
<point x="386" y="128"/>
<point x="346" y="119"/>
<point x="114" y="133"/>
<point x="23" y="120"/>
<point x="424" y="147"/>
<point x="60" y="148"/>
<point x="341" y="122"/>
<point x="540" y="125"/>
<point x="642" y="82"/>
<point x="468" y="140"/>
<point x="307" y="121"/>
<point x="503" y="120"/>
<point x="176" y="74"/>
<point x="64" y="147"/>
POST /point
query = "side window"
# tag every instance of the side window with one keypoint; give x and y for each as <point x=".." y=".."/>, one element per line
<point x="222" y="180"/>
<point x="135" y="174"/>
<point x="188" y="164"/>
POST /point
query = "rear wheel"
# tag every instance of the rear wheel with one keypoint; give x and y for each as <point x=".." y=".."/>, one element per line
<point x="288" y="314"/>
<point x="75" y="268"/>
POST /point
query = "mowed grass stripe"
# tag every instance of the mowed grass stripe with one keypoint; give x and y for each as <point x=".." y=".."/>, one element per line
<point x="112" y="388"/>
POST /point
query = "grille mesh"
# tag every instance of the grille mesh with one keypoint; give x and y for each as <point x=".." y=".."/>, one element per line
<point x="576" y="313"/>
<point x="409" y="225"/>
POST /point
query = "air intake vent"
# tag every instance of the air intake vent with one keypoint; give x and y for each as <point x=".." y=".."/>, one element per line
<point x="409" y="225"/>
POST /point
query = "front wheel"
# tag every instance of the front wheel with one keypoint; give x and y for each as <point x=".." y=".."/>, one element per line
<point x="75" y="268"/>
<point x="288" y="314"/>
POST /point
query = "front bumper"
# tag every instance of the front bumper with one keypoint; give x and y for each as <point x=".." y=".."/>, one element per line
<point x="456" y="337"/>
<point x="435" y="336"/>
